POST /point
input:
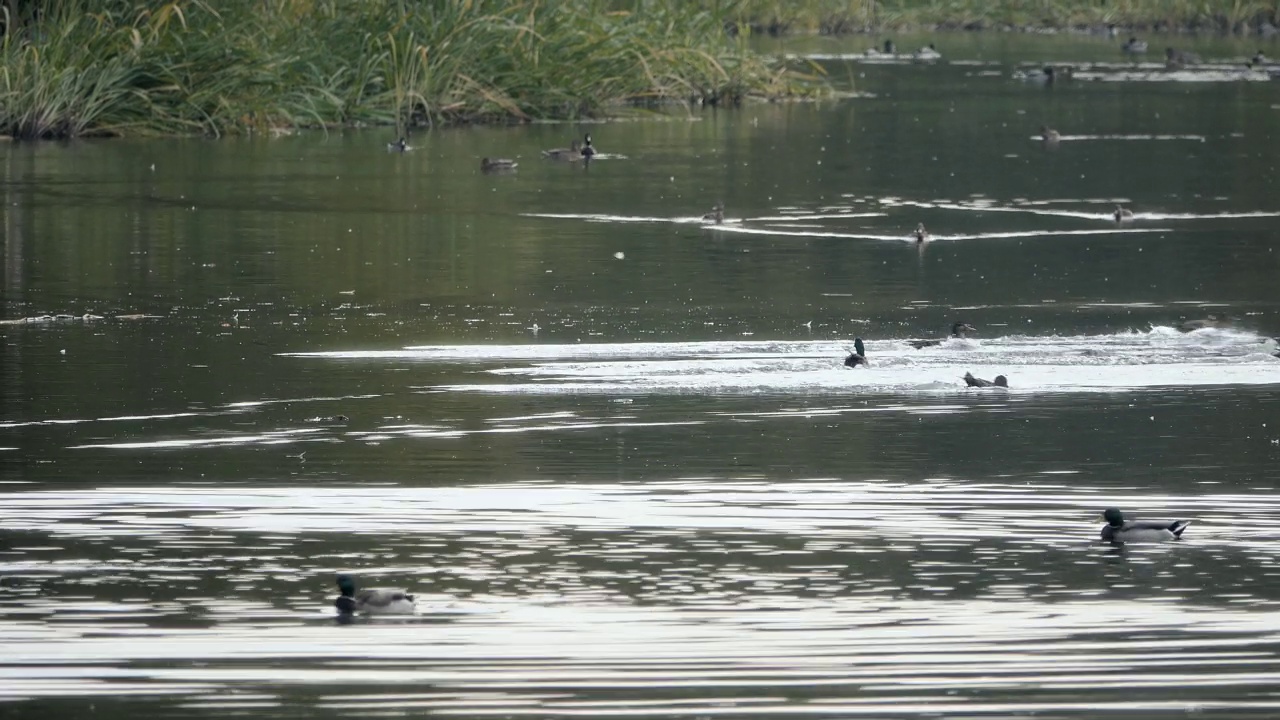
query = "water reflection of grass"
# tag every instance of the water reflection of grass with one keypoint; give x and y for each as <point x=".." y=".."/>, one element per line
<point x="842" y="16"/>
<point x="79" y="67"/>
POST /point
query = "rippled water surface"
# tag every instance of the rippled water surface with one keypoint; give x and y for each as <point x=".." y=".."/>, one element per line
<point x="613" y="447"/>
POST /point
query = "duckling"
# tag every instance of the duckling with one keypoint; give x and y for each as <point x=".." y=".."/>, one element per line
<point x="858" y="356"/>
<point x="958" y="330"/>
<point x="1049" y="136"/>
<point x="1122" y="214"/>
<point x="573" y="153"/>
<point x="1179" y="58"/>
<point x="371" y="601"/>
<point x="398" y="146"/>
<point x="1118" y="531"/>
<point x="971" y="381"/>
<point x="497" y="164"/>
<point x="1134" y="46"/>
<point x="921" y="234"/>
<point x="928" y="52"/>
<point x="716" y="215"/>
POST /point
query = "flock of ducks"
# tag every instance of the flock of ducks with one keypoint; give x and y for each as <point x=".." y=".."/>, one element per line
<point x="353" y="601"/>
<point x="960" y="329"/>
<point x="578" y="151"/>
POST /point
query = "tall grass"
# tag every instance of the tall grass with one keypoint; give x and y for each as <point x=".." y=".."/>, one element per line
<point x="199" y="66"/>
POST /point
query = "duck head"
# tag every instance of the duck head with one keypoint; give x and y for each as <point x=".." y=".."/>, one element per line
<point x="921" y="233"/>
<point x="1001" y="381"/>
<point x="960" y="328"/>
<point x="346" y="586"/>
<point x="1114" y="517"/>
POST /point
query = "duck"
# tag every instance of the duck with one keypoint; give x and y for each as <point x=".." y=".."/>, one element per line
<point x="890" y="48"/>
<point x="716" y="215"/>
<point x="921" y="234"/>
<point x="1042" y="76"/>
<point x="858" y="356"/>
<point x="398" y="146"/>
<point x="971" y="381"/>
<point x="1259" y="59"/>
<point x="588" y="151"/>
<point x="573" y="153"/>
<point x="1118" y="531"/>
<point x="1134" y="46"/>
<point x="1122" y="214"/>
<point x="1210" y="321"/>
<point x="371" y="601"/>
<point x="497" y="164"/>
<point x="1179" y="58"/>
<point x="958" y="330"/>
<point x="928" y="52"/>
<point x="1049" y="136"/>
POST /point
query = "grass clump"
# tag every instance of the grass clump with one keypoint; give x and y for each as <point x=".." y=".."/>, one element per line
<point x="80" y="67"/>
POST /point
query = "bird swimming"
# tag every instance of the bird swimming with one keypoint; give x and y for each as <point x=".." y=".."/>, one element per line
<point x="371" y="601"/>
<point x="1211" y="321"/>
<point x="1134" y="46"/>
<point x="398" y="146"/>
<point x="921" y="234"/>
<point x="958" y="330"/>
<point x="1122" y="214"/>
<point x="497" y="164"/>
<point x="971" y="381"/>
<point x="573" y="153"/>
<point x="716" y="215"/>
<point x="1049" y="135"/>
<point x="588" y="151"/>
<point x="858" y="356"/>
<point x="1043" y="76"/>
<point x="1117" y="530"/>
<point x="1179" y="58"/>
<point x="928" y="52"/>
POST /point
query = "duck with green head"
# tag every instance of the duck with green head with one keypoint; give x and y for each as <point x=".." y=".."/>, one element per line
<point x="371" y="601"/>
<point x="858" y="356"/>
<point x="1119" y="531"/>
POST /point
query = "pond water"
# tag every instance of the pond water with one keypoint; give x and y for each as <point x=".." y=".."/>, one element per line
<point x="613" y="448"/>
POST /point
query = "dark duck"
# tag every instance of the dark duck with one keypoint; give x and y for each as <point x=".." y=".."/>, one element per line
<point x="971" y="381"/>
<point x="958" y="330"/>
<point x="858" y="356"/>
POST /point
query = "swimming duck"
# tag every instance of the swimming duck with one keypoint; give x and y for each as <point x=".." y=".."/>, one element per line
<point x="958" y="330"/>
<point x="1134" y="46"/>
<point x="928" y="52"/>
<point x="890" y="48"/>
<point x="588" y="152"/>
<point x="1122" y="214"/>
<point x="1259" y="59"/>
<point x="1118" y="531"/>
<point x="398" y="146"/>
<point x="1049" y="136"/>
<point x="971" y="381"/>
<point x="371" y="601"/>
<point x="497" y="164"/>
<point x="858" y="356"/>
<point x="716" y="215"/>
<point x="1211" y="321"/>
<point x="921" y="234"/>
<point x="1179" y="58"/>
<point x="1042" y="76"/>
<point x="573" y="153"/>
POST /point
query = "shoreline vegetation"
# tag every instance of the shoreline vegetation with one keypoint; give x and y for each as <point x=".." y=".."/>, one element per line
<point x="72" y="68"/>
<point x="204" y="67"/>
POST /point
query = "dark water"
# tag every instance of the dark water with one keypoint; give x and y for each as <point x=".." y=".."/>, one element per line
<point x="613" y="448"/>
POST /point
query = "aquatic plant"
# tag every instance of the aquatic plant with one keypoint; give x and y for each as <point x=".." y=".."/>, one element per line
<point x="82" y="67"/>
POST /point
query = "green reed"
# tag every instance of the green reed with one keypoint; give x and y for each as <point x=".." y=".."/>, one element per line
<point x="194" y="66"/>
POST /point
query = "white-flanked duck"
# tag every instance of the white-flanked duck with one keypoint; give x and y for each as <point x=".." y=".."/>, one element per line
<point x="1134" y="46"/>
<point x="958" y="330"/>
<point x="928" y="52"/>
<point x="858" y="356"/>
<point x="971" y="381"/>
<point x="398" y="146"/>
<point x="371" y="601"/>
<point x="1119" y="531"/>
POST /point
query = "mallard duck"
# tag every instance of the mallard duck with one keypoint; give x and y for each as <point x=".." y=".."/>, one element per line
<point x="497" y="164"/>
<point x="371" y="601"/>
<point x="1118" y="531"/>
<point x="1049" y="135"/>
<point x="971" y="381"/>
<point x="1134" y="46"/>
<point x="572" y="153"/>
<point x="398" y="146"/>
<point x="958" y="330"/>
<point x="716" y="215"/>
<point x="921" y="234"/>
<point x="1042" y="76"/>
<point x="858" y="356"/>
<point x="1179" y="58"/>
<point x="1211" y="321"/>
<point x="928" y="52"/>
<point x="1122" y="214"/>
